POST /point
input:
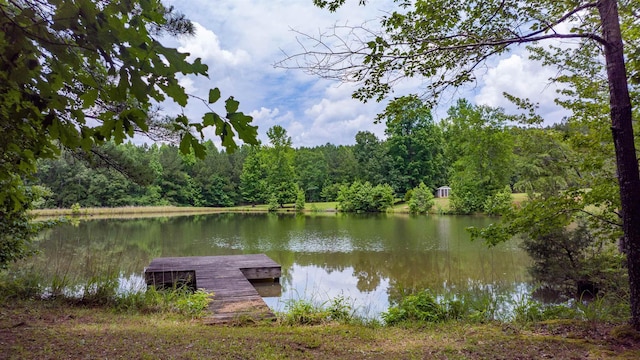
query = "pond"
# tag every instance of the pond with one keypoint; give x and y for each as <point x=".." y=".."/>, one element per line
<point x="371" y="260"/>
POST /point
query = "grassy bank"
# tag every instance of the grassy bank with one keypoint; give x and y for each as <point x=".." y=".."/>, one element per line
<point x="52" y="330"/>
<point x="441" y="206"/>
<point x="141" y="211"/>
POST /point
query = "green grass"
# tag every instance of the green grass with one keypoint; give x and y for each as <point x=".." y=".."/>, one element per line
<point x="441" y="207"/>
<point x="125" y="210"/>
<point x="50" y="330"/>
<point x="143" y="211"/>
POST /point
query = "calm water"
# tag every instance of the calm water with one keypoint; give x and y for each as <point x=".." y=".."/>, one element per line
<point x="371" y="260"/>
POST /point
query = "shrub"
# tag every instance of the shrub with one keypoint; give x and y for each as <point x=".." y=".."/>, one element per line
<point x="300" y="201"/>
<point x="362" y="197"/>
<point x="499" y="203"/>
<point x="75" y="209"/>
<point x="273" y="204"/>
<point x="569" y="259"/>
<point x="421" y="200"/>
<point x="465" y="200"/>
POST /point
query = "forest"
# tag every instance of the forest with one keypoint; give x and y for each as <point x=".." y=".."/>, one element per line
<point x="476" y="149"/>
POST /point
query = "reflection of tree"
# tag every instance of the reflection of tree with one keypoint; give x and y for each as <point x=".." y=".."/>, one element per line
<point x="367" y="282"/>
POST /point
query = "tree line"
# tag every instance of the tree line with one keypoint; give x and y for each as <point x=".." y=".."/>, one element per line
<point x="474" y="149"/>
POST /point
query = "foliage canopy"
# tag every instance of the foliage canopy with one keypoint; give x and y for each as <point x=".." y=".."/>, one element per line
<point x="78" y="73"/>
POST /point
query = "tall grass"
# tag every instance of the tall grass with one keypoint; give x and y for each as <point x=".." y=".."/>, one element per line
<point x="104" y="290"/>
<point x="426" y="307"/>
<point x="339" y="309"/>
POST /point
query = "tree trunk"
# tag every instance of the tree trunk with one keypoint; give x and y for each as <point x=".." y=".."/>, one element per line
<point x="627" y="163"/>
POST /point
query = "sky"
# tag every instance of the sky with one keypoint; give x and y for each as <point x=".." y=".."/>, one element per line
<point x="241" y="40"/>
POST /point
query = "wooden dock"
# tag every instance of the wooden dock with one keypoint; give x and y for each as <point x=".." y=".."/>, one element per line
<point x="228" y="277"/>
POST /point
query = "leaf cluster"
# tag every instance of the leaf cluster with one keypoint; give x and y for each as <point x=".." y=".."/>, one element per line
<point x="77" y="74"/>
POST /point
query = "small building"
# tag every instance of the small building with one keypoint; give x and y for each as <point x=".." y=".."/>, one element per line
<point x="443" y="192"/>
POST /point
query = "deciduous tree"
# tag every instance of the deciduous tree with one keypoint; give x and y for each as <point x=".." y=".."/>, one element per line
<point x="371" y="155"/>
<point x="415" y="145"/>
<point x="480" y="149"/>
<point x="281" y="180"/>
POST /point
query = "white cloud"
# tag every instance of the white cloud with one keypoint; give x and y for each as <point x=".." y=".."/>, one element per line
<point x="204" y="44"/>
<point x="523" y="78"/>
<point x="266" y="118"/>
<point x="188" y="84"/>
<point x="337" y="118"/>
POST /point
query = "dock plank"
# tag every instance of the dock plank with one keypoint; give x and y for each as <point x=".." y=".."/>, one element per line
<point x="227" y="276"/>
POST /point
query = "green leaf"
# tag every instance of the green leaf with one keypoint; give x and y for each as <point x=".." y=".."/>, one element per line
<point x="176" y="92"/>
<point x="214" y="95"/>
<point x="198" y="149"/>
<point x="185" y="143"/>
<point x="211" y="119"/>
<point x="231" y="105"/>
<point x="226" y="135"/>
<point x="199" y="68"/>
<point x="89" y="97"/>
<point x="138" y="87"/>
<point x="246" y="132"/>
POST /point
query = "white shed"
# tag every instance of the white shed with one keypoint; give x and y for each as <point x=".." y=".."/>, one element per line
<point x="443" y="191"/>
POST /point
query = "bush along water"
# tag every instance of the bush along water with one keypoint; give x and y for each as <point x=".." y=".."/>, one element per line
<point x="424" y="307"/>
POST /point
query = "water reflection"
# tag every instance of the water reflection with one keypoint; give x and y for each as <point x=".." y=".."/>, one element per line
<point x="370" y="259"/>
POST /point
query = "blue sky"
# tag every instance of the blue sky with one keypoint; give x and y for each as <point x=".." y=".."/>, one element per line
<point x="240" y="40"/>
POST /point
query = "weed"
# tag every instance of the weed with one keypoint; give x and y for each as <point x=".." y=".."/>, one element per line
<point x="75" y="209"/>
<point x="193" y="304"/>
<point x="420" y="307"/>
<point x="22" y="284"/>
<point x="527" y="310"/>
<point x="303" y="312"/>
<point x="340" y="309"/>
<point x="100" y="290"/>
<point x="180" y="300"/>
<point x="604" y="308"/>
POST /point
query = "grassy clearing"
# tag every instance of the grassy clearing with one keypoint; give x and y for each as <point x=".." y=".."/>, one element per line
<point x="441" y="207"/>
<point x="126" y="210"/>
<point x="151" y="211"/>
<point x="51" y="330"/>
